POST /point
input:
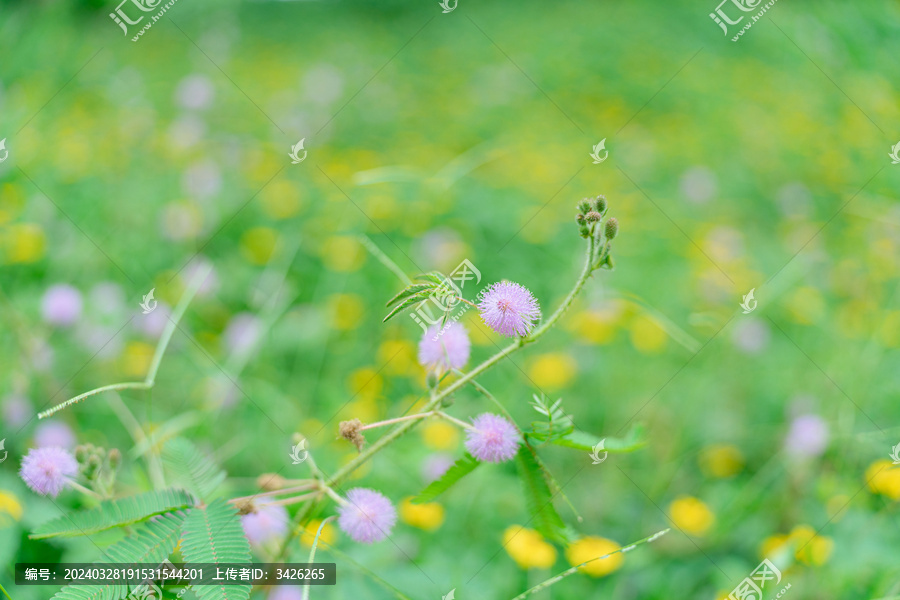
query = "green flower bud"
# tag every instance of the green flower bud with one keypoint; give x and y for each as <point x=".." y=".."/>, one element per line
<point x="115" y="459"/>
<point x="584" y="206"/>
<point x="600" y="204"/>
<point x="584" y="231"/>
<point x="579" y="218"/>
<point x="612" y="228"/>
<point x="593" y="217"/>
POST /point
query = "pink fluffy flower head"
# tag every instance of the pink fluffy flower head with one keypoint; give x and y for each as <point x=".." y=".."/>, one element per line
<point x="61" y="305"/>
<point x="441" y="352"/>
<point x="368" y="517"/>
<point x="492" y="439"/>
<point x="46" y="470"/>
<point x="269" y="522"/>
<point x="509" y="309"/>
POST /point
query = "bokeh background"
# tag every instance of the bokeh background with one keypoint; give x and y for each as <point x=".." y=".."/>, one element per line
<point x="761" y="165"/>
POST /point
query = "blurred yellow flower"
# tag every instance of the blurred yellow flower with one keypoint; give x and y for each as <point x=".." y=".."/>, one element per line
<point x="810" y="548"/>
<point x="365" y="383"/>
<point x="136" y="359"/>
<point x="553" y="370"/>
<point x="805" y="305"/>
<point x="308" y="533"/>
<point x="428" y="516"/>
<point x="889" y="330"/>
<point x="10" y="505"/>
<point x="646" y="334"/>
<point x="772" y="545"/>
<point x="23" y="243"/>
<point x="343" y="253"/>
<point x="280" y="199"/>
<point x="691" y="515"/>
<point x="721" y="460"/>
<point x="13" y="201"/>
<point x="884" y="478"/>
<point x="345" y="311"/>
<point x="528" y="548"/>
<point x="440" y="435"/>
<point x="591" y="547"/>
<point x="594" y="326"/>
<point x="397" y="356"/>
<point x="258" y="244"/>
<point x="364" y="409"/>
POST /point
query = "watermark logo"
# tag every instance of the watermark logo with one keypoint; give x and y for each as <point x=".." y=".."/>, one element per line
<point x="895" y="453"/>
<point x="299" y="453"/>
<point x="123" y="20"/>
<point x="452" y="593"/>
<point x="446" y="298"/>
<point x="147" y="592"/>
<point x="895" y="153"/>
<point x="595" y="153"/>
<point x="723" y="19"/>
<point x="751" y="587"/>
<point x="445" y="4"/>
<point x="296" y="159"/>
<point x="2" y="442"/>
<point x="597" y="449"/>
<point x="749" y="304"/>
<point x="5" y="152"/>
<point x="148" y="304"/>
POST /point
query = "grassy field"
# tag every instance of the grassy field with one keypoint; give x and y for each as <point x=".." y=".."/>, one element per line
<point x="433" y="138"/>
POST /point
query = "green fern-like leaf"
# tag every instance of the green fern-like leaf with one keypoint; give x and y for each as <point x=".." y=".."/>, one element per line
<point x="192" y="469"/>
<point x="115" y="513"/>
<point x="538" y="498"/>
<point x="633" y="440"/>
<point x="213" y="534"/>
<point x="152" y="543"/>
<point x="460" y="468"/>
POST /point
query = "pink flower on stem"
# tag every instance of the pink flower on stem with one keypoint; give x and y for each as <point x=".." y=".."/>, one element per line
<point x="47" y="470"/>
<point x="269" y="522"/>
<point x="368" y="516"/>
<point x="492" y="438"/>
<point x="441" y="352"/>
<point x="509" y="309"/>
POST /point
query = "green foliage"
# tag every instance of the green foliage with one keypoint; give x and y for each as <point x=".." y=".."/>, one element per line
<point x="460" y="468"/>
<point x="115" y="513"/>
<point x="538" y="498"/>
<point x="418" y="292"/>
<point x="633" y="440"/>
<point x="192" y="469"/>
<point x="152" y="543"/>
<point x="213" y="534"/>
<point x="556" y="423"/>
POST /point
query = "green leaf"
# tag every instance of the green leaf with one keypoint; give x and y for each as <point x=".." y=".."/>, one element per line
<point x="152" y="542"/>
<point x="460" y="468"/>
<point x="403" y="305"/>
<point x="115" y="513"/>
<point x="213" y="534"/>
<point x="416" y="288"/>
<point x="555" y="424"/>
<point x="582" y="440"/>
<point x="435" y="276"/>
<point x="192" y="469"/>
<point x="538" y="498"/>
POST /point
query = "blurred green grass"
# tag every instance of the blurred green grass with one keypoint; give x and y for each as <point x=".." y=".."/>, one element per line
<point x="150" y="183"/>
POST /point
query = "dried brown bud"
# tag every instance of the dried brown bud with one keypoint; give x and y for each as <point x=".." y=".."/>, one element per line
<point x="269" y="482"/>
<point x="245" y="507"/>
<point x="350" y="430"/>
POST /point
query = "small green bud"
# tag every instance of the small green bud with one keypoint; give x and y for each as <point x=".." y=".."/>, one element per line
<point x="600" y="203"/>
<point x="81" y="453"/>
<point x="579" y="218"/>
<point x="584" y="206"/>
<point x="593" y="217"/>
<point x="612" y="228"/>
<point x="115" y="459"/>
<point x="584" y="231"/>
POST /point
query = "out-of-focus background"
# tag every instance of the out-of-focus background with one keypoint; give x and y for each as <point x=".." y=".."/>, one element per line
<point x="760" y="164"/>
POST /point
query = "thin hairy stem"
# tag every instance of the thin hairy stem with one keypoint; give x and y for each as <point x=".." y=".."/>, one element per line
<point x="397" y="420"/>
<point x="164" y="340"/>
<point x="289" y="490"/>
<point x="444" y="415"/>
<point x="312" y="554"/>
<point x="295" y="499"/>
<point x="567" y="572"/>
